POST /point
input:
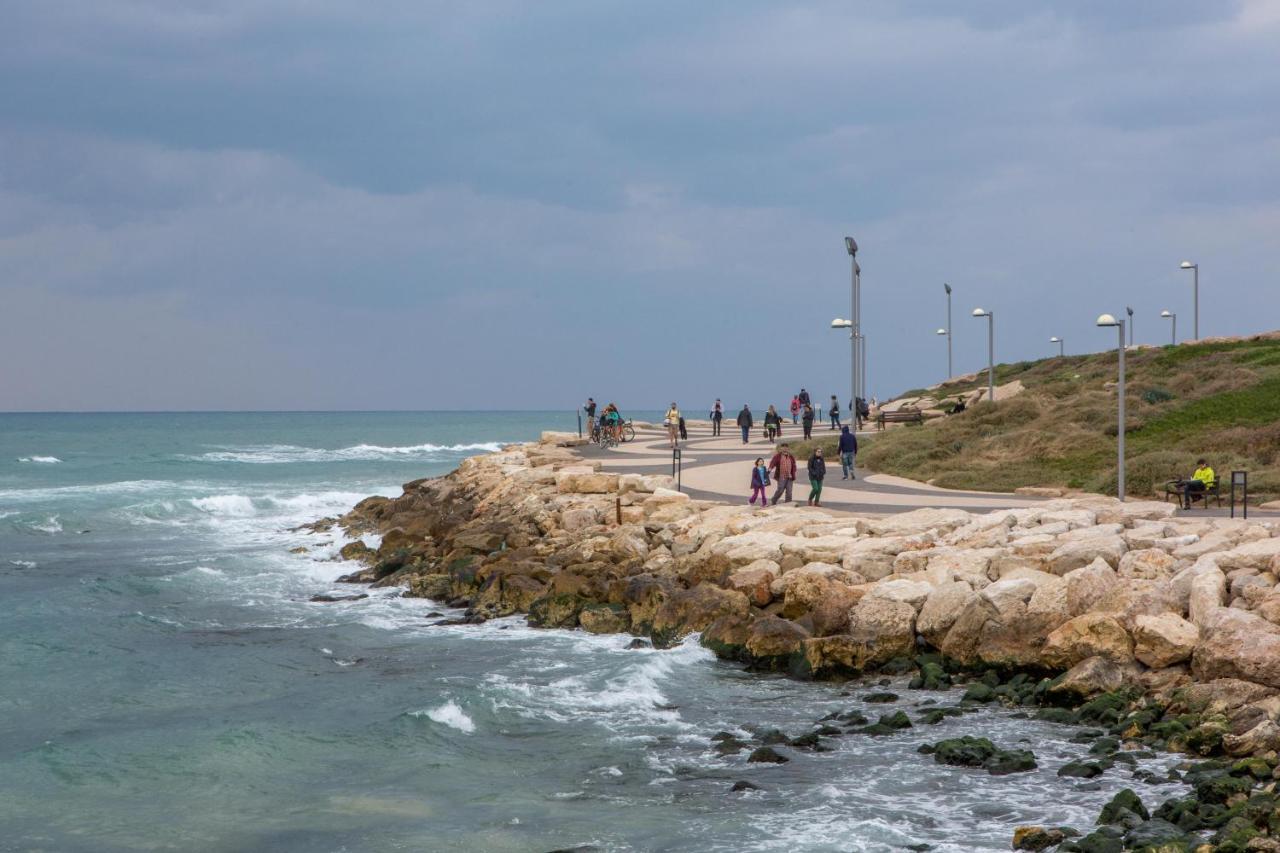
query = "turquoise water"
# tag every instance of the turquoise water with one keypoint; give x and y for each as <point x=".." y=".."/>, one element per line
<point x="165" y="684"/>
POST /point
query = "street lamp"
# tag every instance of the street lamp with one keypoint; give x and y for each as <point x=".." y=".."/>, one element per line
<point x="991" y="350"/>
<point x="855" y="317"/>
<point x="1195" y="296"/>
<point x="1129" y="311"/>
<point x="1169" y="315"/>
<point x="1104" y="321"/>
<point x="1057" y="340"/>
<point x="947" y="330"/>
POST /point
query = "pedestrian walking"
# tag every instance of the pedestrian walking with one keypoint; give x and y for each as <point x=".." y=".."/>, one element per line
<point x="817" y="473"/>
<point x="745" y="422"/>
<point x="684" y="432"/>
<point x="672" y="422"/>
<point x="771" y="424"/>
<point x="848" y="449"/>
<point x="834" y="412"/>
<point x="783" y="466"/>
<point x="717" y="415"/>
<point x="759" y="482"/>
<point x="807" y="420"/>
<point x="795" y="409"/>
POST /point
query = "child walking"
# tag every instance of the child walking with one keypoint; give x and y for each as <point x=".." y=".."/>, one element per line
<point x="759" y="481"/>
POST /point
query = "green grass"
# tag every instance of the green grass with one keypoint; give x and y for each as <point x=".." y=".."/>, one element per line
<point x="1219" y="400"/>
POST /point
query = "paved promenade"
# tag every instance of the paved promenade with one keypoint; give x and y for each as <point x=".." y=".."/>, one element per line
<point x="719" y="468"/>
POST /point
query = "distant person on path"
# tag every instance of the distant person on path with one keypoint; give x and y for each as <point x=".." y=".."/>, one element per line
<point x="612" y="421"/>
<point x="684" y="432"/>
<point x="672" y="422"/>
<point x="771" y="424"/>
<point x="590" y="409"/>
<point x="745" y="423"/>
<point x="848" y="449"/>
<point x="803" y="397"/>
<point x="795" y="409"/>
<point x="817" y="472"/>
<point x="834" y="412"/>
<point x="807" y="420"/>
<point x="759" y="482"/>
<point x="1201" y="481"/>
<point x="717" y="415"/>
<point x="783" y="466"/>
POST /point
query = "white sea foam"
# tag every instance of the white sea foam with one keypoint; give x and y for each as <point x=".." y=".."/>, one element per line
<point x="234" y="505"/>
<point x="49" y="525"/>
<point x="24" y="564"/>
<point x="43" y="460"/>
<point x="448" y="714"/>
<point x="275" y="454"/>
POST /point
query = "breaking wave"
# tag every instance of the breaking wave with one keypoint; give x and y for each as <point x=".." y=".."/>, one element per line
<point x="45" y="460"/>
<point x="275" y="454"/>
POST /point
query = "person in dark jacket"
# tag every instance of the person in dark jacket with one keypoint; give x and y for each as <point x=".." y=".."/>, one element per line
<point x="804" y="398"/>
<point x="717" y="415"/>
<point x="684" y="431"/>
<point x="817" y="472"/>
<point x="834" y="412"/>
<point x="771" y="423"/>
<point x="848" y="449"/>
<point x="807" y="420"/>
<point x="745" y="423"/>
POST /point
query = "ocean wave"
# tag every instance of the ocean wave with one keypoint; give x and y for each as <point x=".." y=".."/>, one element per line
<point x="276" y="454"/>
<point x="448" y="714"/>
<point x="49" y="525"/>
<point x="44" y="460"/>
<point x="24" y="564"/>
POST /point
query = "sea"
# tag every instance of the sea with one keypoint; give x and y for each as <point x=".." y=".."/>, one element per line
<point x="166" y="684"/>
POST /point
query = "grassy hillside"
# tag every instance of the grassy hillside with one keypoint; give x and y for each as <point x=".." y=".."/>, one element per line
<point x="1220" y="400"/>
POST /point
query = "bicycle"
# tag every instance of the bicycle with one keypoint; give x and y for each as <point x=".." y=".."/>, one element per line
<point x="628" y="431"/>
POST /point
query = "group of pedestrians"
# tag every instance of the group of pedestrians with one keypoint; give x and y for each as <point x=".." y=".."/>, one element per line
<point x="783" y="467"/>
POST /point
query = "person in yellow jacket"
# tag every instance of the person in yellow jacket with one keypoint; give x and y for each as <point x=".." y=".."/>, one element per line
<point x="1201" y="481"/>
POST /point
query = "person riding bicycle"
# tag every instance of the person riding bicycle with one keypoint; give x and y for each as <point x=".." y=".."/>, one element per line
<point x="613" y="421"/>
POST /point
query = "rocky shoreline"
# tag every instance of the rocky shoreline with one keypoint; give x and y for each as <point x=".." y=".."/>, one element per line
<point x="1155" y="632"/>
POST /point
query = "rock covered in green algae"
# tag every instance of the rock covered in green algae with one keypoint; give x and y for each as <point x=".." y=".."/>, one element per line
<point x="767" y="755"/>
<point x="969" y="751"/>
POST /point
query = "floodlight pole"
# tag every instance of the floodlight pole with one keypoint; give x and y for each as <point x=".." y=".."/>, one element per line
<point x="950" y="371"/>
<point x="1120" y="424"/>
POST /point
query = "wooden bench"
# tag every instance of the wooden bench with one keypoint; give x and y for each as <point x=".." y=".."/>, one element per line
<point x="1176" y="489"/>
<point x="910" y="417"/>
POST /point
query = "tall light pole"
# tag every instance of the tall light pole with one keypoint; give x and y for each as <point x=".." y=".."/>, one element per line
<point x="1169" y="315"/>
<point x="1129" y="311"/>
<point x="945" y="333"/>
<point x="1057" y="340"/>
<point x="991" y="350"/>
<point x="855" y="317"/>
<point x="1104" y="321"/>
<point x="950" y="372"/>
<point x="1195" y="297"/>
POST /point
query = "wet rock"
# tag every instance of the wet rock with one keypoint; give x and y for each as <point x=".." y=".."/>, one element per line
<point x="638" y="643"/>
<point x="326" y="597"/>
<point x="775" y="644"/>
<point x="604" y="619"/>
<point x="767" y="755"/>
<point x="936" y="715"/>
<point x="1081" y="769"/>
<point x="978" y="692"/>
<point x="875" y="698"/>
<point x="1036" y="838"/>
<point x="932" y="677"/>
<point x="1092" y="676"/>
<point x="969" y="751"/>
<point x="743" y="785"/>
<point x="687" y="611"/>
<point x="1124" y="802"/>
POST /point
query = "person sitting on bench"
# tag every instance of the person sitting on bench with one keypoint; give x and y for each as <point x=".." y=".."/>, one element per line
<point x="1200" y="483"/>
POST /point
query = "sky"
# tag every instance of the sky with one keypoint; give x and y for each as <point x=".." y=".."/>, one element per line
<point x="409" y="204"/>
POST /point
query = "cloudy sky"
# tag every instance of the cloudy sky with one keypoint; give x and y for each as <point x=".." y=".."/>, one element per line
<point x="312" y="204"/>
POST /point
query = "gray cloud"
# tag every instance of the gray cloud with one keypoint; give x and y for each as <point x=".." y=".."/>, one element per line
<point x="308" y="205"/>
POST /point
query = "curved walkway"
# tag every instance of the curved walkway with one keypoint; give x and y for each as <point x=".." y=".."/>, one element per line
<point x="719" y="468"/>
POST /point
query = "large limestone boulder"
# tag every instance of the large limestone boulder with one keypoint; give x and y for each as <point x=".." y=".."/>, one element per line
<point x="1092" y="676"/>
<point x="1237" y="644"/>
<point x="1260" y="554"/>
<point x="1206" y="595"/>
<point x="961" y="642"/>
<point x="935" y="521"/>
<point x="772" y="642"/>
<point x="1077" y="553"/>
<point x="753" y="580"/>
<point x="1147" y="563"/>
<point x="690" y="610"/>
<point x="1134" y="597"/>
<point x="579" y="518"/>
<point x="1004" y="594"/>
<point x="1129" y="513"/>
<point x="744" y="548"/>
<point x="584" y="480"/>
<point x="885" y="626"/>
<point x="831" y="614"/>
<point x="1087" y="635"/>
<point x="1089" y="585"/>
<point x="907" y="591"/>
<point x="1164" y="640"/>
<point x="941" y="609"/>
<point x="1070" y="515"/>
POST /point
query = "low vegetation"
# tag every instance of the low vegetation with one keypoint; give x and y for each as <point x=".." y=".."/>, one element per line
<point x="1220" y="400"/>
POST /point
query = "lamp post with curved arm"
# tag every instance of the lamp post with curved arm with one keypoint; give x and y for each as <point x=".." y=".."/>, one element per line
<point x="991" y="350"/>
<point x="1105" y="321"/>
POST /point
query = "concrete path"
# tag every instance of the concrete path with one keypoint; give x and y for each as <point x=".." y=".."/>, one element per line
<point x="719" y="468"/>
